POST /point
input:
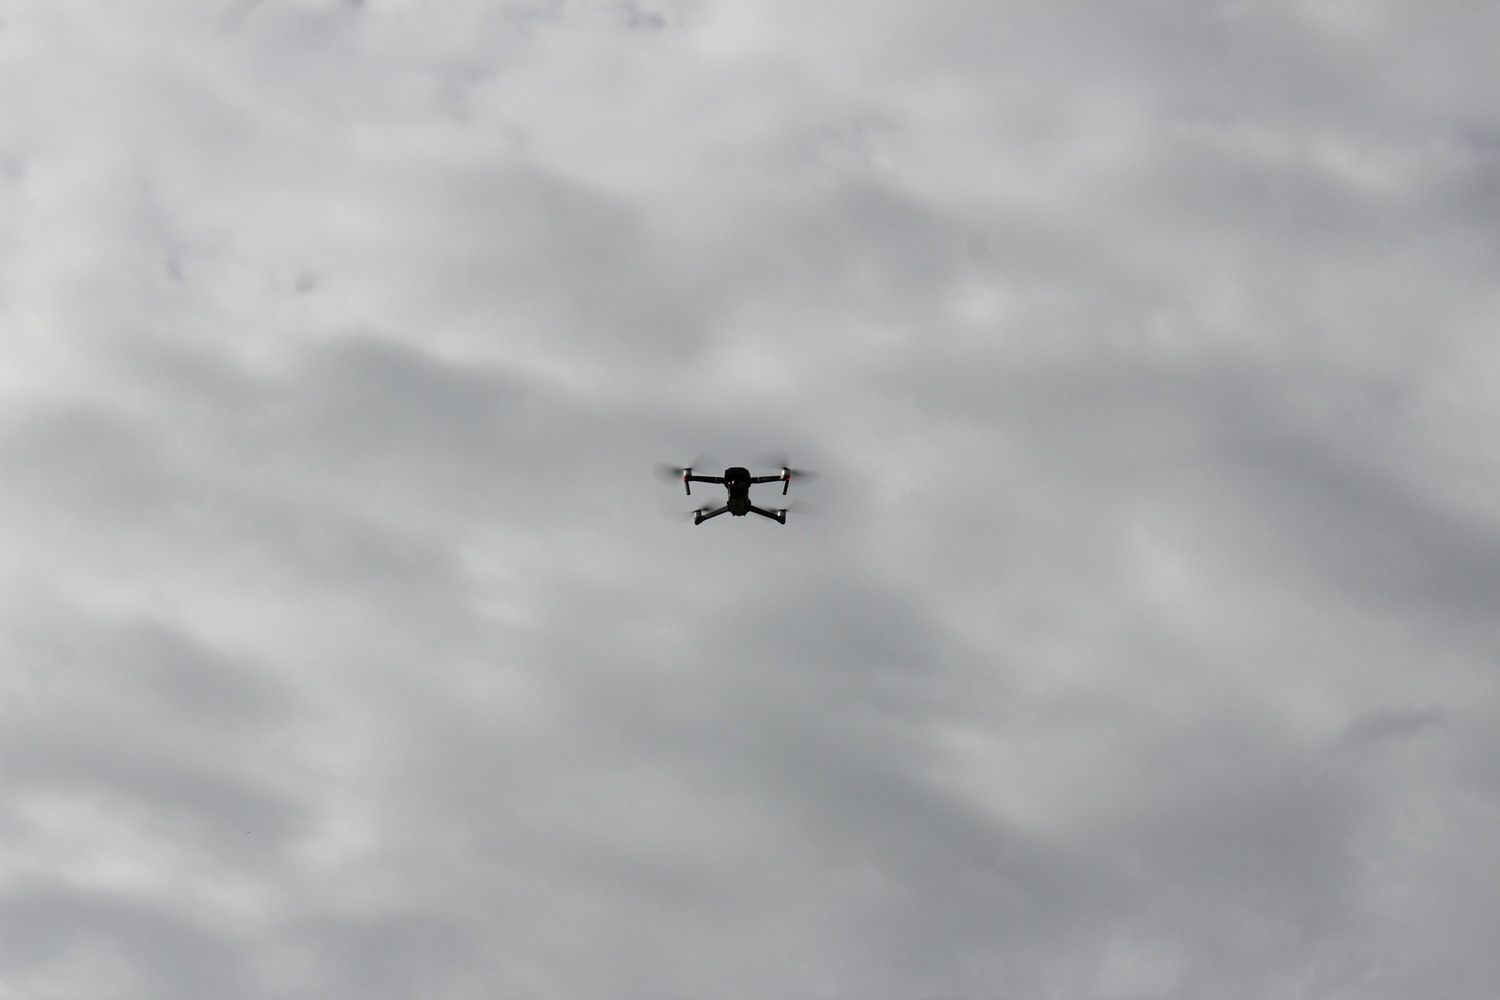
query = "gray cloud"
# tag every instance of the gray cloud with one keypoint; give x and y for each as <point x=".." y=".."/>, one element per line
<point x="1140" y="644"/>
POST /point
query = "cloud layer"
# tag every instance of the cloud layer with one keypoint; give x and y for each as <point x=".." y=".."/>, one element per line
<point x="1141" y="642"/>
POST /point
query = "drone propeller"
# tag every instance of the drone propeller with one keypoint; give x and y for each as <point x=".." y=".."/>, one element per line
<point x="680" y="473"/>
<point x="787" y="472"/>
<point x="678" y="514"/>
<point x="780" y="460"/>
<point x="669" y="471"/>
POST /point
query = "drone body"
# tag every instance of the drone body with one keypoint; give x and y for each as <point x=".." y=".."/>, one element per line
<point x="737" y="480"/>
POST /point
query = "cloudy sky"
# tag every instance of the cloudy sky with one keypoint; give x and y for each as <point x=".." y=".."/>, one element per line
<point x="1141" y="641"/>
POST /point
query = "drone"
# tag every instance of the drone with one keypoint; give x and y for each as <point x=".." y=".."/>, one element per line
<point x="737" y="480"/>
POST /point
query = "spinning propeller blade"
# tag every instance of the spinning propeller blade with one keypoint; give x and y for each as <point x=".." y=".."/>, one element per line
<point x="669" y="471"/>
<point x="779" y="460"/>
<point x="681" y="472"/>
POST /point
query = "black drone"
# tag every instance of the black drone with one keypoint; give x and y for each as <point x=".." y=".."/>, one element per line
<point x="737" y="481"/>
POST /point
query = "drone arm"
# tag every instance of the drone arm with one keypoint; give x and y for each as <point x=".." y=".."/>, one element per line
<point x="779" y="516"/>
<point x="703" y="515"/>
<point x="785" y="479"/>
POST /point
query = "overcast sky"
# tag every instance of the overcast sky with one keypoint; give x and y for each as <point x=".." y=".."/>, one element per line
<point x="1142" y="642"/>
